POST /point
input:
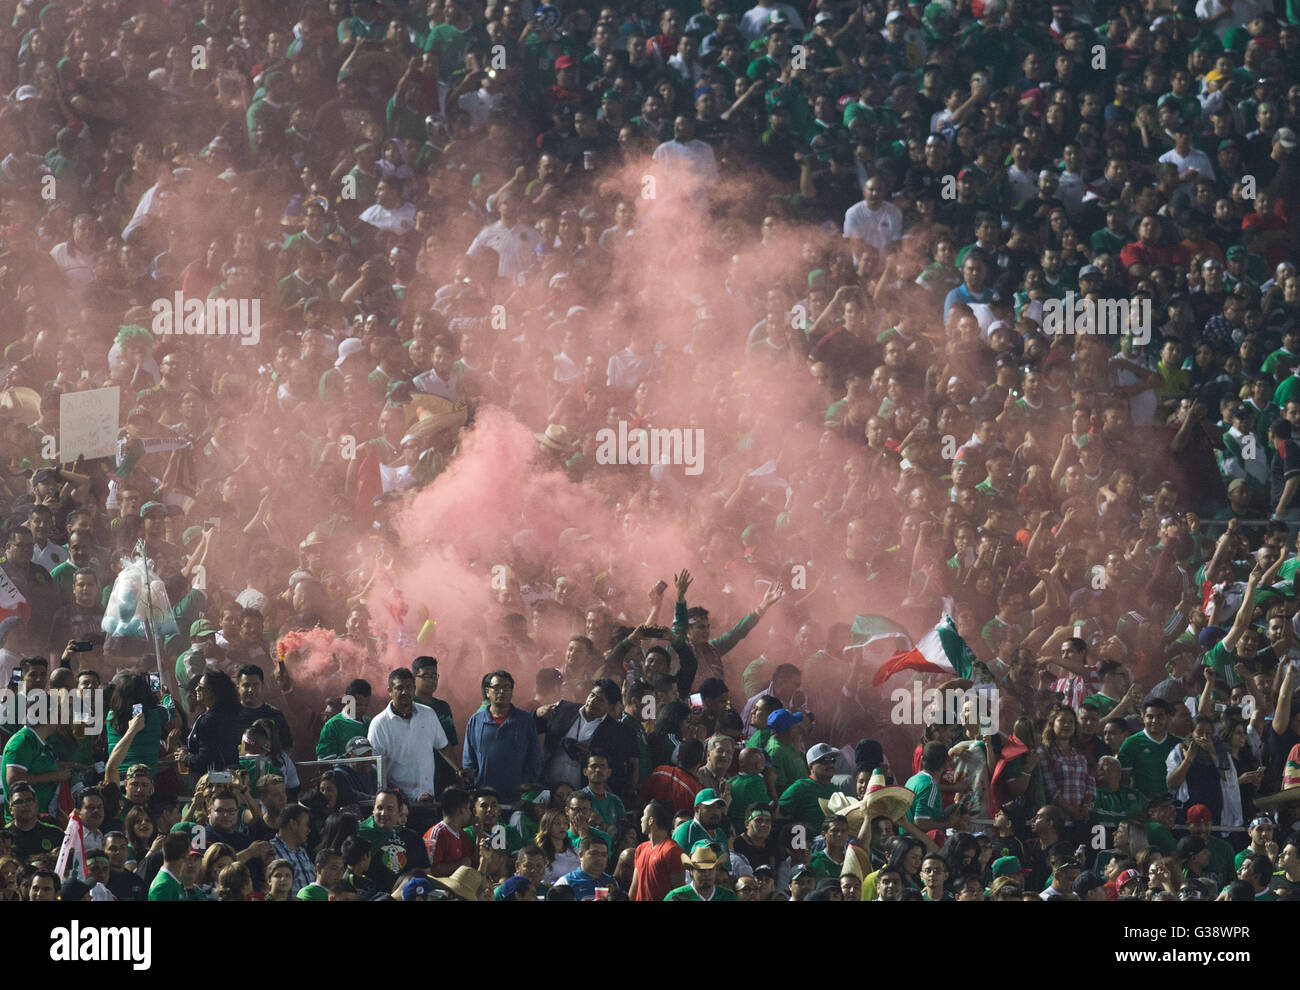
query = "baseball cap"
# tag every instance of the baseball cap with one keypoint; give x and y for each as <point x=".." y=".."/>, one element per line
<point x="26" y="93"/>
<point x="357" y="746"/>
<point x="149" y="507"/>
<point x="825" y="17"/>
<point x="201" y="629"/>
<point x="1200" y="812"/>
<point x="782" y="720"/>
<point x="1126" y="878"/>
<point x="821" y="752"/>
<point x="1008" y="866"/>
<point x="139" y="770"/>
<point x="708" y="796"/>
<point x="565" y="62"/>
<point x="347" y="348"/>
<point x="418" y="887"/>
<point x="801" y="870"/>
<point x="73" y="890"/>
<point x="1285" y="137"/>
<point x="1235" y="252"/>
<point x="1088" y="270"/>
<point x="511" y="887"/>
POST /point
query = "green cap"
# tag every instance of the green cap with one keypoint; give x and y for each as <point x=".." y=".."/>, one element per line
<point x="610" y="94"/>
<point x="191" y="534"/>
<point x="149" y="507"/>
<point x="707" y="796"/>
<point x="1235" y="252"/>
<point x="201" y="628"/>
<point x="1007" y="866"/>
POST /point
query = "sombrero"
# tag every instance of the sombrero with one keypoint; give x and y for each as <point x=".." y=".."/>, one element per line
<point x="427" y="415"/>
<point x="21" y="403"/>
<point x="466" y="883"/>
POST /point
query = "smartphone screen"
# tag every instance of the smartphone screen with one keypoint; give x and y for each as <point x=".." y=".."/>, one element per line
<point x="137" y="710"/>
<point x="697" y="701"/>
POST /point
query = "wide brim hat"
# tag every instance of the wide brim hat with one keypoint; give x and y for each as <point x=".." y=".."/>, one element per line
<point x="466" y="883"/>
<point x="555" y="438"/>
<point x="429" y="415"/>
<point x="21" y="403"/>
<point x="883" y="801"/>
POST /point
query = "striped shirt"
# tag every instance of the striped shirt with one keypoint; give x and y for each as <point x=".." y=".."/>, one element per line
<point x="1076" y="688"/>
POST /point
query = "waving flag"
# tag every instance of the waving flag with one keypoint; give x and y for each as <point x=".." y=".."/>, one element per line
<point x="13" y="606"/>
<point x="71" y="863"/>
<point x="940" y="651"/>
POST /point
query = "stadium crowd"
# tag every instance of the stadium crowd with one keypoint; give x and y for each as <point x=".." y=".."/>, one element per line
<point x="982" y="311"/>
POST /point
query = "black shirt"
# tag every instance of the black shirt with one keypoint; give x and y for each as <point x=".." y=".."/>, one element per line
<point x="41" y="838"/>
<point x="127" y="886"/>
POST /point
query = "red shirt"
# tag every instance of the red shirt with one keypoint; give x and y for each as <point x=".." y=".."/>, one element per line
<point x="671" y="784"/>
<point x="656" y="866"/>
<point x="446" y="845"/>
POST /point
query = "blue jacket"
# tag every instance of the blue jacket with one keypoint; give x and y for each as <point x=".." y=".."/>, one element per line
<point x="503" y="756"/>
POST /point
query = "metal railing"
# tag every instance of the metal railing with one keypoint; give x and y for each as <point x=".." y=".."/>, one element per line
<point x="376" y="759"/>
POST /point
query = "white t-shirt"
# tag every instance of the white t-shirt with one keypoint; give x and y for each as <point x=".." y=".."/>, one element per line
<point x="690" y="167"/>
<point x="879" y="227"/>
<point x="408" y="746"/>
<point x="1195" y="158"/>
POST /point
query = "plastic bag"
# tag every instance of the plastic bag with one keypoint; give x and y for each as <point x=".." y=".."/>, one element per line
<point x="137" y="604"/>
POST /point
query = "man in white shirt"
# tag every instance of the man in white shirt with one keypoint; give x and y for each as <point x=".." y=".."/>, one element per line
<point x="755" y="20"/>
<point x="1192" y="163"/>
<point x="873" y="221"/>
<point x="389" y="213"/>
<point x="480" y="103"/>
<point x="442" y="378"/>
<point x="629" y="366"/>
<point x="74" y="255"/>
<point x="689" y="165"/>
<point x="514" y="242"/>
<point x="410" y="738"/>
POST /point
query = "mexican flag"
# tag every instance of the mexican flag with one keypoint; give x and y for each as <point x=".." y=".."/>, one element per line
<point x="876" y="630"/>
<point x="71" y="863"/>
<point x="13" y="606"/>
<point x="940" y="651"/>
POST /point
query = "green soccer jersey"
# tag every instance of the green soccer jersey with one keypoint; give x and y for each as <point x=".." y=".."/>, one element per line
<point x="746" y="789"/>
<point x="687" y="893"/>
<point x="336" y="734"/>
<point x="1146" y="758"/>
<point x="929" y="800"/>
<point x="688" y="833"/>
<point x="788" y="763"/>
<point x="610" y="808"/>
<point x="166" y="887"/>
<point x="25" y="750"/>
<point x="800" y="802"/>
<point x="514" y="841"/>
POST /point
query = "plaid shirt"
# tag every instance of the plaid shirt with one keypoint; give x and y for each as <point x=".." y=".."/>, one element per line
<point x="1066" y="776"/>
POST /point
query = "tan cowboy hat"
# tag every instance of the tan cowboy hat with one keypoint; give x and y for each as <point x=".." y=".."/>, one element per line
<point x="702" y="857"/>
<point x="22" y="404"/>
<point x="556" y="437"/>
<point x="466" y="883"/>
